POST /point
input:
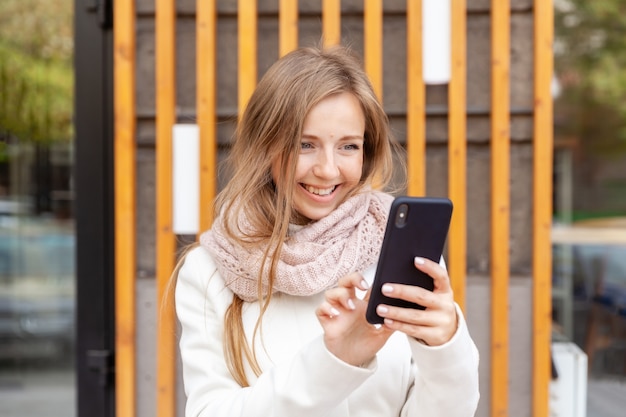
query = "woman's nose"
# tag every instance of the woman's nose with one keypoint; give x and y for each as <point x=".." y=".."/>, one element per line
<point x="326" y="166"/>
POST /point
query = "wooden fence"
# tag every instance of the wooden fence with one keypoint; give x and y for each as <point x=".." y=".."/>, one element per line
<point x="206" y="32"/>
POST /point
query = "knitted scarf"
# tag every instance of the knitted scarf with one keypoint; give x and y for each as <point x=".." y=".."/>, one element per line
<point x="313" y="257"/>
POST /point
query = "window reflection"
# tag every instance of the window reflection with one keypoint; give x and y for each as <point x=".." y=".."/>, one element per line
<point x="589" y="232"/>
<point x="37" y="282"/>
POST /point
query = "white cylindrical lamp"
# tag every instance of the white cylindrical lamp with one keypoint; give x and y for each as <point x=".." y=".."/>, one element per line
<point x="185" y="179"/>
<point x="436" y="38"/>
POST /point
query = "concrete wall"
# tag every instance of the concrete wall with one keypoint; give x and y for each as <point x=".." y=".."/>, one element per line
<point x="478" y="132"/>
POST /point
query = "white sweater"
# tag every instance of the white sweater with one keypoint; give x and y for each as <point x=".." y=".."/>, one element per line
<point x="301" y="378"/>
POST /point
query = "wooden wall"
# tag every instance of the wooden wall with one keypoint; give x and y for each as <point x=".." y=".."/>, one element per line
<point x="484" y="140"/>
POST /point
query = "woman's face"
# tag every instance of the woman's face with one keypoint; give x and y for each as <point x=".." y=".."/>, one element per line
<point x="330" y="163"/>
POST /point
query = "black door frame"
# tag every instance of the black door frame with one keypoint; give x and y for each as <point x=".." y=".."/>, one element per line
<point x="93" y="207"/>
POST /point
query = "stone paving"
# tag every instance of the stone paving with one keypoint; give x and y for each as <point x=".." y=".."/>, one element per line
<point x="606" y="397"/>
<point x="51" y="393"/>
<point x="44" y="393"/>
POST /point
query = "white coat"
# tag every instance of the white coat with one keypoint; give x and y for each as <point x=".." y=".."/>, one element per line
<point x="301" y="378"/>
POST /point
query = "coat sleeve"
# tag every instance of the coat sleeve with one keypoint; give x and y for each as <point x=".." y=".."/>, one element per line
<point x="446" y="377"/>
<point x="312" y="383"/>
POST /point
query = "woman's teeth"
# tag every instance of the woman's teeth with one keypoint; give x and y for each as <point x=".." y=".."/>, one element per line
<point x="319" y="191"/>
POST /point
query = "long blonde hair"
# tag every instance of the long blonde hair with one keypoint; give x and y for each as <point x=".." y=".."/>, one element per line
<point x="269" y="132"/>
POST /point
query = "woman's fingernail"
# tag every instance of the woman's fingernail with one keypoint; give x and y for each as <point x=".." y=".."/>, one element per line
<point x="419" y="260"/>
<point x="364" y="284"/>
<point x="334" y="311"/>
<point x="382" y="310"/>
<point x="351" y="304"/>
<point x="387" y="288"/>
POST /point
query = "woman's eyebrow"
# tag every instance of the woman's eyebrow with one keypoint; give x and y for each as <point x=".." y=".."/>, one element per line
<point x="346" y="137"/>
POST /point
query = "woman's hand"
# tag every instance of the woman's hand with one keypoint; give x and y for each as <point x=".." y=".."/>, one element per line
<point x="438" y="322"/>
<point x="347" y="334"/>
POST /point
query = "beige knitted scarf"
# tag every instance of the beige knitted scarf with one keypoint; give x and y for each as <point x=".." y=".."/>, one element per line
<point x="314" y="256"/>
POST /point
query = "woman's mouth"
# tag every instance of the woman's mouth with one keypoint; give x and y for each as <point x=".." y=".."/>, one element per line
<point x="319" y="191"/>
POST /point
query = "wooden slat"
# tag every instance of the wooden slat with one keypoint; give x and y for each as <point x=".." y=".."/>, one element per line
<point x="125" y="207"/>
<point x="500" y="206"/>
<point x="416" y="101"/>
<point x="457" y="152"/>
<point x="373" y="34"/>
<point x="542" y="205"/>
<point x="287" y="26"/>
<point x="331" y="22"/>
<point x="247" y="34"/>
<point x="206" y="56"/>
<point x="165" y="90"/>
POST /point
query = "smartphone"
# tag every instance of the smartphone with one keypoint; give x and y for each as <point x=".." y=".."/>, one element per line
<point x="417" y="226"/>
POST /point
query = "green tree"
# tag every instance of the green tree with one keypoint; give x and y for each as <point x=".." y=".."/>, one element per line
<point x="590" y="63"/>
<point x="36" y="69"/>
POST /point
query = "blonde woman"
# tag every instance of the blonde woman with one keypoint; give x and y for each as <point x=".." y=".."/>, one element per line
<point x="272" y="300"/>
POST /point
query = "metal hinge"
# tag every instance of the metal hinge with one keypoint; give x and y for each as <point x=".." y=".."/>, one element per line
<point x="101" y="362"/>
<point x="104" y="10"/>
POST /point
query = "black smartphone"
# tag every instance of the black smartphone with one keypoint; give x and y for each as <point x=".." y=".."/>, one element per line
<point x="417" y="226"/>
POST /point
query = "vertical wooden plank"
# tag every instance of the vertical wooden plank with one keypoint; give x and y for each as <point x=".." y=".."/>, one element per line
<point x="457" y="152"/>
<point x="500" y="206"/>
<point x="206" y="93"/>
<point x="331" y="22"/>
<point x="247" y="33"/>
<point x="287" y="26"/>
<point x="373" y="34"/>
<point x="125" y="206"/>
<point x="165" y="90"/>
<point x="542" y="204"/>
<point x="416" y="101"/>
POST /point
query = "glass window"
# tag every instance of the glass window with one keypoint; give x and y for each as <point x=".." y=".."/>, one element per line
<point x="37" y="240"/>
<point x="589" y="232"/>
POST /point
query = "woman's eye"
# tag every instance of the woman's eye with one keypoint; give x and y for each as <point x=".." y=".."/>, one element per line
<point x="352" y="146"/>
<point x="305" y="145"/>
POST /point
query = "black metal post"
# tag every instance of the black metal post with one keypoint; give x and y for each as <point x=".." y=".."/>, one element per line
<point x="93" y="208"/>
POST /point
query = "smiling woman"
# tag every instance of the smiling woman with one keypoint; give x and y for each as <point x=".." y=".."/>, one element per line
<point x="330" y="164"/>
<point x="271" y="321"/>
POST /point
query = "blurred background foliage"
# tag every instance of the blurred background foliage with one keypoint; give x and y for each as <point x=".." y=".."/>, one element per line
<point x="590" y="108"/>
<point x="36" y="70"/>
<point x="590" y="63"/>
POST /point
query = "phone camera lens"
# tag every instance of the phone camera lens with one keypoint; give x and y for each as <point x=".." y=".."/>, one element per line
<point x="401" y="215"/>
